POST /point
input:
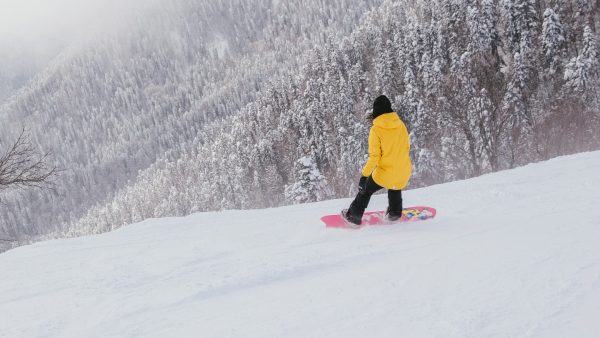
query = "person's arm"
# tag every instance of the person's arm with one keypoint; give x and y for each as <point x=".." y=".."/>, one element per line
<point x="374" y="153"/>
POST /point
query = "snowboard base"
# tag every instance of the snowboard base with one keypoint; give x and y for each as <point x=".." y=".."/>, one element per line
<point x="411" y="214"/>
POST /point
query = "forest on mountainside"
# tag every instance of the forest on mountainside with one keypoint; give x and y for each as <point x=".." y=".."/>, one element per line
<point x="144" y="86"/>
<point x="271" y="110"/>
<point x="483" y="86"/>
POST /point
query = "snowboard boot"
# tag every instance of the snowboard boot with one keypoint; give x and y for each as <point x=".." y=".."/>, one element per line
<point x="351" y="220"/>
<point x="392" y="216"/>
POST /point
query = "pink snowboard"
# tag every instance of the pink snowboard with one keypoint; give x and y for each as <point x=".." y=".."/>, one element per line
<point x="378" y="217"/>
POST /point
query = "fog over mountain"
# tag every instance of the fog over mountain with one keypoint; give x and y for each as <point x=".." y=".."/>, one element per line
<point x="33" y="32"/>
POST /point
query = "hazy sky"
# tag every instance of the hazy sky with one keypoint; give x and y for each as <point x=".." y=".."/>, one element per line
<point x="33" y="20"/>
<point x="32" y="32"/>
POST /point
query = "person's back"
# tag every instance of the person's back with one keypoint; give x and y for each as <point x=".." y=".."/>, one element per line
<point x="393" y="168"/>
<point x="388" y="166"/>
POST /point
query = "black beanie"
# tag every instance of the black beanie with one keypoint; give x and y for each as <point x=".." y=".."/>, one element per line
<point x="381" y="105"/>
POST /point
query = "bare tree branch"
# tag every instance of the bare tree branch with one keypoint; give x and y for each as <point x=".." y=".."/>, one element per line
<point x="21" y="166"/>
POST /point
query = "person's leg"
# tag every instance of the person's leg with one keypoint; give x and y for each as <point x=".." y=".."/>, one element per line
<point x="361" y="202"/>
<point x="394" y="210"/>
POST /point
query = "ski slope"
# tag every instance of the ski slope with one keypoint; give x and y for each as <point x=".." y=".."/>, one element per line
<point x="510" y="254"/>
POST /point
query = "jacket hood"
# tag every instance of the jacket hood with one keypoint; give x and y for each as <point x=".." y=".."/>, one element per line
<point x="388" y="121"/>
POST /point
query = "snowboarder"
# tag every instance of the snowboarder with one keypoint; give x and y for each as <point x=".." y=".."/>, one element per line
<point x="388" y="166"/>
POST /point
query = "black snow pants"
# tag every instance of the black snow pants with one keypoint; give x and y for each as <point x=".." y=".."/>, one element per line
<point x="360" y="203"/>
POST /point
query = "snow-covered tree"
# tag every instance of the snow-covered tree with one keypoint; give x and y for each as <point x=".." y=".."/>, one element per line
<point x="309" y="185"/>
<point x="581" y="73"/>
<point x="553" y="41"/>
<point x="521" y="20"/>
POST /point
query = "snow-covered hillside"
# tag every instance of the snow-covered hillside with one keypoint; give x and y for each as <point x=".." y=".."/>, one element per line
<point x="511" y="254"/>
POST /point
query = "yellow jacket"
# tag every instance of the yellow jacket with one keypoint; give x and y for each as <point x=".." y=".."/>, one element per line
<point x="389" y="159"/>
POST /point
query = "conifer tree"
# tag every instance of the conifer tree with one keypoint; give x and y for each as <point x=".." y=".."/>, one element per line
<point x="553" y="40"/>
<point x="310" y="185"/>
<point x="581" y="73"/>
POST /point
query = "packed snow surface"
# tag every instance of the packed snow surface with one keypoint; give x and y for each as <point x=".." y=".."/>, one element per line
<point x="511" y="254"/>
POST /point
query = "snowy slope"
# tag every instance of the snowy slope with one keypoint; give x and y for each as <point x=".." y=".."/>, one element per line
<point x="512" y="254"/>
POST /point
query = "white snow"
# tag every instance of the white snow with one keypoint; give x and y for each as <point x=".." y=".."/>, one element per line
<point x="511" y="254"/>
